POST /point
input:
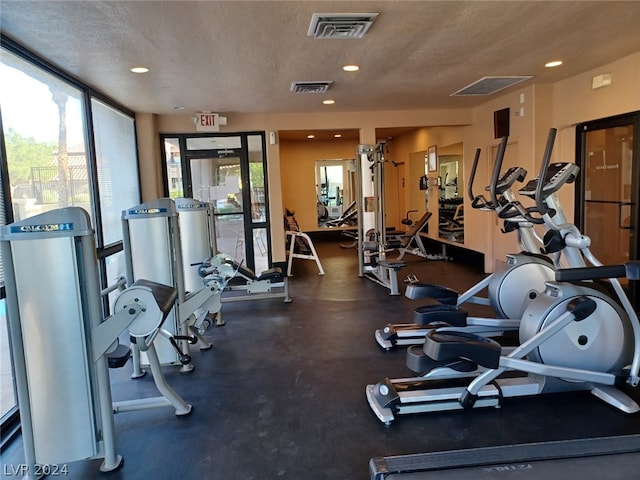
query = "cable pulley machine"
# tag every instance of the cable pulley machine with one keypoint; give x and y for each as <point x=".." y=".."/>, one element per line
<point x="62" y="346"/>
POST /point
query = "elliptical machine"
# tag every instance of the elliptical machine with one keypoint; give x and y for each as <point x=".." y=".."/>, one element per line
<point x="575" y="336"/>
<point x="510" y="288"/>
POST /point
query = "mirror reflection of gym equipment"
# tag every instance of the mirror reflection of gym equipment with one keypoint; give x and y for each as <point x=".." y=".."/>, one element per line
<point x="335" y="190"/>
<point x="450" y="208"/>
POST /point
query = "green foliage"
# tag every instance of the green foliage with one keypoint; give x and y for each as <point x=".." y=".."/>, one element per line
<point x="24" y="153"/>
<point x="256" y="174"/>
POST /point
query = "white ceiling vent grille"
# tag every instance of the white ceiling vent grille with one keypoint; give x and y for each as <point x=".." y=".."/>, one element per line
<point x="489" y="85"/>
<point x="310" y="87"/>
<point x="340" y="25"/>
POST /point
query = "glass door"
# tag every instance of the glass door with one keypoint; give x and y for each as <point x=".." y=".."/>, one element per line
<point x="228" y="171"/>
<point x="607" y="213"/>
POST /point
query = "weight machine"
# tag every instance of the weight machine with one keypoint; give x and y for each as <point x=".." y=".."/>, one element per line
<point x="63" y="347"/>
<point x="372" y="234"/>
<point x="155" y="249"/>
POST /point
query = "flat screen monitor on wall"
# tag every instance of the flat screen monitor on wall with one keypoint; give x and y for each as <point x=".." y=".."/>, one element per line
<point x="501" y="123"/>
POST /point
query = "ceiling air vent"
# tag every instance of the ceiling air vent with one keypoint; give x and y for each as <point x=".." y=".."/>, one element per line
<point x="489" y="85"/>
<point x="340" y="25"/>
<point x="310" y="87"/>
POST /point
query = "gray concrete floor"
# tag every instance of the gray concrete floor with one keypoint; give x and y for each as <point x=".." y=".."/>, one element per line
<point x="282" y="392"/>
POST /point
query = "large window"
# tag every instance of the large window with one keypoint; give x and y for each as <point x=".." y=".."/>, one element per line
<point x="118" y="183"/>
<point x="44" y="134"/>
<point x="7" y="392"/>
<point x="53" y="157"/>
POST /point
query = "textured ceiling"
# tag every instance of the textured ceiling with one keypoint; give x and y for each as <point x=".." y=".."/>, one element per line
<point x="239" y="56"/>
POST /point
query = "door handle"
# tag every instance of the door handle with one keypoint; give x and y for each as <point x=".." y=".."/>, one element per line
<point x="621" y="224"/>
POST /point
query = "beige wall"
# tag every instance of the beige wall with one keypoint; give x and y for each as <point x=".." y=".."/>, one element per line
<point x="560" y="105"/>
<point x="365" y="122"/>
<point x="297" y="172"/>
<point x="411" y="148"/>
<point x="149" y="156"/>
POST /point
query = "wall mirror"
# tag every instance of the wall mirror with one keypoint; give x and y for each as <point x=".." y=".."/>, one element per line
<point x="335" y="192"/>
<point x="451" y="200"/>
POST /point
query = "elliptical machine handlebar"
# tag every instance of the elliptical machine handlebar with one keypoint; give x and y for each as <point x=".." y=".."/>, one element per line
<point x="505" y="208"/>
<point x="631" y="270"/>
<point x="516" y="209"/>
<point x="472" y="178"/>
<point x="498" y="183"/>
<point x="497" y="166"/>
<point x="546" y="160"/>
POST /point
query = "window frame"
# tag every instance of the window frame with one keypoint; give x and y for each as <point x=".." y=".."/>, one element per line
<point x="88" y="94"/>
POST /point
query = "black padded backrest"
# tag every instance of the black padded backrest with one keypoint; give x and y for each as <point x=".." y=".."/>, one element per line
<point x="247" y="272"/>
<point x="420" y="224"/>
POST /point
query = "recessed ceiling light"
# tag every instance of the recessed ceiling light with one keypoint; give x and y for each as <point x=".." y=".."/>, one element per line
<point x="180" y="107"/>
<point x="351" y="68"/>
<point x="554" y="63"/>
<point x="139" y="69"/>
<point x="311" y="136"/>
<point x="338" y="135"/>
<point x="328" y="102"/>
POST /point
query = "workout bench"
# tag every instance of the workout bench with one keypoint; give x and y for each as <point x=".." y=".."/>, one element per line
<point x="300" y="245"/>
<point x="412" y="236"/>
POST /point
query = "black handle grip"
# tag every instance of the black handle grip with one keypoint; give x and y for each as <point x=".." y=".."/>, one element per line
<point x="590" y="273"/>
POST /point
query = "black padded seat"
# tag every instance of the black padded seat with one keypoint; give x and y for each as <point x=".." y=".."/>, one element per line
<point x="119" y="357"/>
<point x="164" y="295"/>
<point x="396" y="265"/>
<point x="247" y="272"/>
<point x="273" y="274"/>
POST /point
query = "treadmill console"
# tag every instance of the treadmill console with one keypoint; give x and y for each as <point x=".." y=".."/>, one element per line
<point x="557" y="175"/>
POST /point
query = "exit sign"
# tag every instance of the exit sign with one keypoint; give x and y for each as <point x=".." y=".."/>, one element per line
<point x="207" y="122"/>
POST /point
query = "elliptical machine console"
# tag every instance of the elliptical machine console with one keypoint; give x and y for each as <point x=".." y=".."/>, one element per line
<point x="556" y="176"/>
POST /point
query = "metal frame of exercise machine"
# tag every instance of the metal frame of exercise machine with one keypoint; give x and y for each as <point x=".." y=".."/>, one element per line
<point x="62" y="346"/>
